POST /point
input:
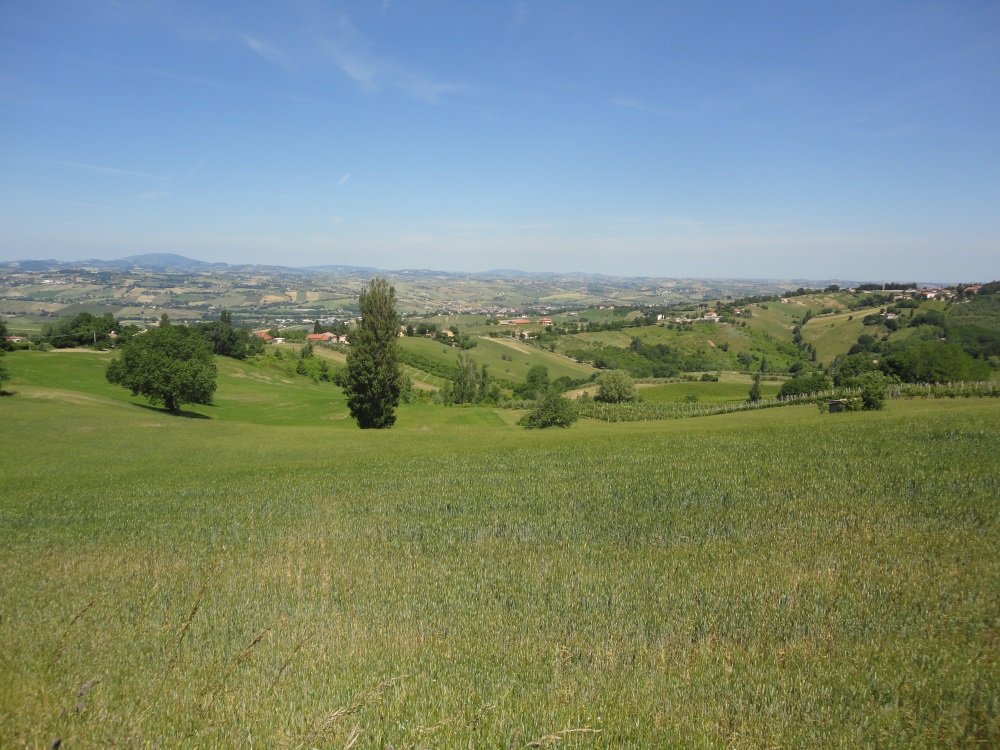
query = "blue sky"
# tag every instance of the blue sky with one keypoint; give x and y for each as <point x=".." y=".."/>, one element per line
<point x="794" y="139"/>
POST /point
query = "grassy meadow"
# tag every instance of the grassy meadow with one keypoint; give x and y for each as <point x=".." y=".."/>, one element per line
<point x="781" y="578"/>
<point x="707" y="392"/>
<point x="492" y="352"/>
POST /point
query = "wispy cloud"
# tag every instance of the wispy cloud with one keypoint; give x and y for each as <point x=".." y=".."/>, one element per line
<point x="108" y="170"/>
<point x="196" y="169"/>
<point x="343" y="180"/>
<point x="648" y="109"/>
<point x="268" y="52"/>
<point x="350" y="51"/>
<point x="316" y="33"/>
<point x="865" y="127"/>
<point x="520" y="15"/>
<point x="26" y="199"/>
<point x="152" y="72"/>
<point x="154" y="195"/>
<point x="475" y="227"/>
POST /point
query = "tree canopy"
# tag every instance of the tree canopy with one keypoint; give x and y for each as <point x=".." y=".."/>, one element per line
<point x="536" y="382"/>
<point x="171" y="365"/>
<point x="552" y="411"/>
<point x="470" y="385"/>
<point x="4" y="344"/>
<point x="616" y="387"/>
<point x="803" y="384"/>
<point x="83" y="329"/>
<point x="227" y="340"/>
<point x="372" y="382"/>
<point x="934" y="362"/>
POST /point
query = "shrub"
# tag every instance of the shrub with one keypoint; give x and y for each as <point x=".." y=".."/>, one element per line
<point x="616" y="388"/>
<point x="873" y="388"/>
<point x="552" y="411"/>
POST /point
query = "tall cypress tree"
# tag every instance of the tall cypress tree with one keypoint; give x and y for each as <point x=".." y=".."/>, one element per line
<point x="372" y="384"/>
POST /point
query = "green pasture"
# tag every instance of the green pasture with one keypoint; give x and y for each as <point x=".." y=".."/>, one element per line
<point x="245" y="393"/>
<point x="835" y="334"/>
<point x="709" y="335"/>
<point x="781" y="578"/>
<point x="777" y="320"/>
<point x="447" y="321"/>
<point x="588" y="315"/>
<point x="492" y="352"/>
<point x="599" y="338"/>
<point x="704" y="392"/>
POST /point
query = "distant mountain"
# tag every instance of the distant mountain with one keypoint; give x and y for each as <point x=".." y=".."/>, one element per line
<point x="179" y="264"/>
<point x="166" y="262"/>
<point x="341" y="269"/>
<point x="34" y="265"/>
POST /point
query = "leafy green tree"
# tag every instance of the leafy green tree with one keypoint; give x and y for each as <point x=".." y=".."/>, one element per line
<point x="616" y="387"/>
<point x="755" y="394"/>
<point x="552" y="411"/>
<point x="4" y="372"/>
<point x="535" y="383"/>
<point x="83" y="329"/>
<point x="171" y="365"/>
<point x="873" y="389"/>
<point x="934" y="362"/>
<point x="372" y="383"/>
<point x="800" y="385"/>
<point x="845" y="369"/>
<point x="229" y="341"/>
<point x="4" y="344"/>
<point x="484" y="392"/>
<point x="466" y="385"/>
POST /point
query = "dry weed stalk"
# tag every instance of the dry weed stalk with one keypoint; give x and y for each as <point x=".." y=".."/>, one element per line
<point x="175" y="657"/>
<point x="327" y="726"/>
<point x="244" y="655"/>
<point x="175" y="648"/>
<point x="470" y="724"/>
<point x="560" y="736"/>
<point x="291" y="656"/>
<point x="353" y="737"/>
<point x="61" y="645"/>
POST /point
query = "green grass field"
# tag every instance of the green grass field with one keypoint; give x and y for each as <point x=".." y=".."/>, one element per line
<point x="492" y="352"/>
<point x="781" y="578"/>
<point x="835" y="334"/>
<point x="706" y="392"/>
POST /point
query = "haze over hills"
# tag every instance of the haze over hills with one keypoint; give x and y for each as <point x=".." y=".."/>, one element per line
<point x="171" y="262"/>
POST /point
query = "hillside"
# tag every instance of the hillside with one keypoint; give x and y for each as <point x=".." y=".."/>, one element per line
<point x="506" y="359"/>
<point x="774" y="576"/>
<point x="140" y="288"/>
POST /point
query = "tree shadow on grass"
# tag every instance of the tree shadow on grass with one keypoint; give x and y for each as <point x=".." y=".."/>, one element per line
<point x="6" y="393"/>
<point x="185" y="414"/>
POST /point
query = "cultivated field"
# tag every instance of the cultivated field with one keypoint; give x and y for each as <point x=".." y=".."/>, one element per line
<point x="780" y="578"/>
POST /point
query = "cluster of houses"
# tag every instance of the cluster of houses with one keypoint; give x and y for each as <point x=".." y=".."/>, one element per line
<point x="709" y="317"/>
<point x="526" y="322"/>
<point x="314" y="338"/>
